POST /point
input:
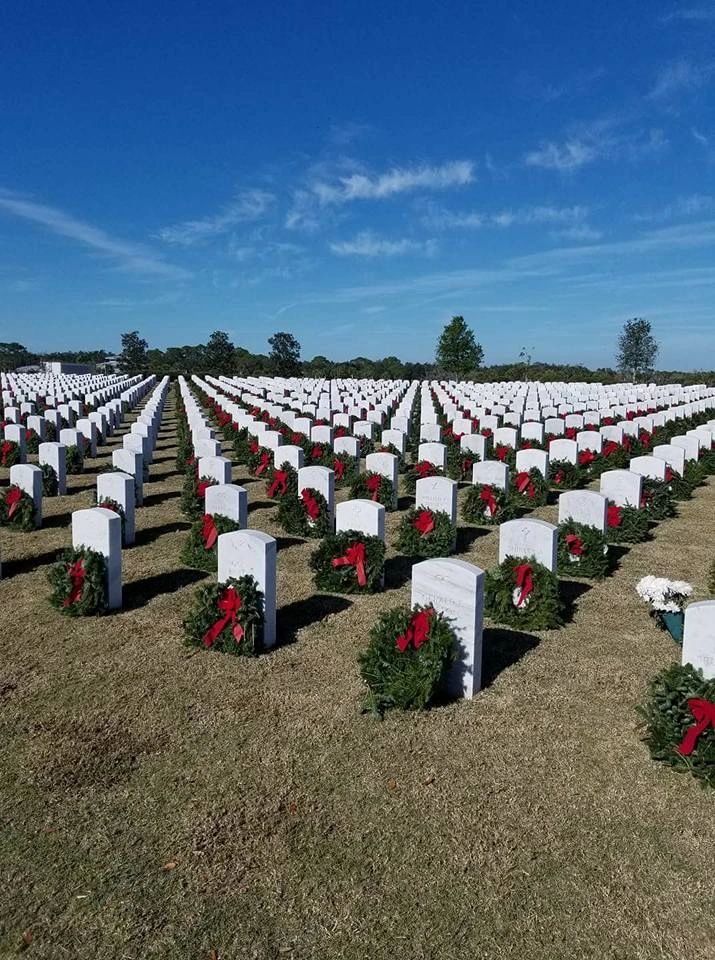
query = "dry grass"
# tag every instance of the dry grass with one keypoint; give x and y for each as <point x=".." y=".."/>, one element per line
<point x="159" y="802"/>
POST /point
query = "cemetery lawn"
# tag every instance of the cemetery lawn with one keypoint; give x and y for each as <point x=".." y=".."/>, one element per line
<point x="162" y="802"/>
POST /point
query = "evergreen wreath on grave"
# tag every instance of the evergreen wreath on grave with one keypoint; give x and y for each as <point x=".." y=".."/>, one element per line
<point x="522" y="592"/>
<point x="281" y="482"/>
<point x="591" y="465"/>
<point x="486" y="504"/>
<point x="460" y="463"/>
<point x="260" y="459"/>
<point x="626" y="524"/>
<point x="17" y="509"/>
<point x="50" y="432"/>
<point x="227" y="617"/>
<point x="505" y="454"/>
<point x="79" y="582"/>
<point x="614" y="456"/>
<point x="184" y="452"/>
<point x="528" y="489"/>
<point x="9" y="453"/>
<point x="115" y="507"/>
<point x="564" y="475"/>
<point x="345" y="468"/>
<point x="50" y="483"/>
<point x="193" y="495"/>
<point x="582" y="552"/>
<point x="406" y="662"/>
<point x="366" y="445"/>
<point x="349" y="562"/>
<point x="418" y="471"/>
<point x="305" y="515"/>
<point x="32" y="441"/>
<point x="318" y="454"/>
<point x="75" y="460"/>
<point x="678" y="718"/>
<point x="375" y="487"/>
<point x="425" y="533"/>
<point x="240" y="445"/>
<point x="657" y="500"/>
<point x="200" y="549"/>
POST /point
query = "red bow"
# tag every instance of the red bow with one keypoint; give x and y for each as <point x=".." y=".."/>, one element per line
<point x="201" y="488"/>
<point x="354" y="557"/>
<point x="209" y="533"/>
<point x="487" y="495"/>
<point x="559" y="477"/>
<point x="574" y="544"/>
<point x="704" y="713"/>
<point x="229" y="605"/>
<point x="614" y="517"/>
<point x="609" y="448"/>
<point x="523" y="483"/>
<point x="501" y="452"/>
<point x="526" y="445"/>
<point x="264" y="463"/>
<point x="253" y="447"/>
<point x="486" y="432"/>
<point x="424" y="468"/>
<point x="296" y="439"/>
<point x="586" y="457"/>
<point x="340" y="432"/>
<point x="644" y="438"/>
<point x="373" y="485"/>
<point x="310" y="503"/>
<point x="280" y="483"/>
<point x="12" y="500"/>
<point x="6" y="450"/>
<point x="417" y="630"/>
<point x="467" y="465"/>
<point x="424" y="522"/>
<point x="668" y="475"/>
<point x="77" y="573"/>
<point x="339" y="468"/>
<point x="524" y="581"/>
<point x="316" y="453"/>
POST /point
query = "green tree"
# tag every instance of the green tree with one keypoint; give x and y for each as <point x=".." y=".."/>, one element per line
<point x="458" y="353"/>
<point x="15" y="355"/>
<point x="637" y="349"/>
<point x="133" y="358"/>
<point x="285" y="355"/>
<point x="220" y="353"/>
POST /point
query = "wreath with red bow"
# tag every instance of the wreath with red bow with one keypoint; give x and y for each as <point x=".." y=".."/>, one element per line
<point x="528" y="489"/>
<point x="375" y="487"/>
<point x="9" y="453"/>
<point x="564" y="475"/>
<point x="50" y="483"/>
<point x="425" y="533"/>
<point x="32" y="441"/>
<point x="418" y="471"/>
<point x="17" y="509"/>
<point x="407" y="659"/>
<point x="74" y="462"/>
<point x="115" y="507"/>
<point x="460" y="463"/>
<point x="318" y="454"/>
<point x="260" y="460"/>
<point x="240" y="444"/>
<point x="626" y="524"/>
<point x="193" y="494"/>
<point x="345" y="468"/>
<point x="678" y="719"/>
<point x="227" y="617"/>
<point x="505" y="454"/>
<point x="582" y="552"/>
<point x="486" y="504"/>
<point x="281" y="482"/>
<point x="305" y="514"/>
<point x="657" y="500"/>
<point x="200" y="550"/>
<point x="614" y="456"/>
<point x="79" y="583"/>
<point x="523" y="593"/>
<point x="349" y="562"/>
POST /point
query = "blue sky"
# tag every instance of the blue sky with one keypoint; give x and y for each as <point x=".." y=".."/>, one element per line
<point x="356" y="173"/>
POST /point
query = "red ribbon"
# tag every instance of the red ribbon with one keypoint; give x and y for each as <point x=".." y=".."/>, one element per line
<point x="264" y="463"/>
<point x="201" y="488"/>
<point x="523" y="483"/>
<point x="12" y="500"/>
<point x="354" y="557"/>
<point x="253" y="447"/>
<point x="574" y="544"/>
<point x="614" y="517"/>
<point x="704" y="713"/>
<point x="570" y="433"/>
<point x="501" y="452"/>
<point x="586" y="458"/>
<point x="417" y="631"/>
<point x="424" y="469"/>
<point x="316" y="453"/>
<point x="296" y="439"/>
<point x="487" y="496"/>
<point x="559" y="477"/>
<point x="668" y="475"/>
<point x="311" y="505"/>
<point x="424" y="522"/>
<point x="209" y="533"/>
<point x="524" y="581"/>
<point x="373" y="485"/>
<point x="229" y="604"/>
<point x="5" y="451"/>
<point x="280" y="483"/>
<point x="339" y="468"/>
<point x="77" y="574"/>
<point x="609" y="448"/>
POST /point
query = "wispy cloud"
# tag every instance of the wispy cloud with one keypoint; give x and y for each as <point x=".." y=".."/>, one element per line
<point x="701" y="14"/>
<point x="247" y="206"/>
<point x="359" y="186"/>
<point x="608" y="137"/>
<point x="700" y="138"/>
<point x="368" y="244"/>
<point x="695" y="205"/>
<point x="131" y="257"/>
<point x="579" y="234"/>
<point x="564" y="157"/>
<point x="440" y="218"/>
<point x="681" y="76"/>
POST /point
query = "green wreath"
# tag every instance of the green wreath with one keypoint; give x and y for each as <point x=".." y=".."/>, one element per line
<point x="614" y="456"/>
<point x="345" y="468"/>
<point x="9" y="453"/>
<point x="460" y="463"/>
<point x="318" y="454"/>
<point x="375" y="487"/>
<point x="193" y="495"/>
<point x="657" y="499"/>
<point x="528" y="489"/>
<point x="240" y="445"/>
<point x="227" y="617"/>
<point x="583" y="551"/>
<point x="366" y="446"/>
<point x="419" y="471"/>
<point x="76" y="595"/>
<point x="195" y="553"/>
<point x="115" y="507"/>
<point x="564" y="475"/>
<point x="281" y="482"/>
<point x="184" y="453"/>
<point x="508" y="601"/>
<point x="505" y="454"/>
<point x="485" y="504"/>
<point x="75" y="460"/>
<point x="294" y="518"/>
<point x="50" y="432"/>
<point x="626" y="524"/>
<point x="50" y="483"/>
<point x="411" y="675"/>
<point x="669" y="722"/>
<point x="32" y="441"/>
<point x="17" y="509"/>
<point x="359" y="558"/>
<point x="425" y="533"/>
<point x="260" y="460"/>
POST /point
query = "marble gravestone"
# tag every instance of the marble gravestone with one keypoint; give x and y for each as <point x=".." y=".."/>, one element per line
<point x="252" y="553"/>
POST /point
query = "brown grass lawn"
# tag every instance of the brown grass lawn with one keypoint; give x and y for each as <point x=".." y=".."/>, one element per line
<point x="162" y="802"/>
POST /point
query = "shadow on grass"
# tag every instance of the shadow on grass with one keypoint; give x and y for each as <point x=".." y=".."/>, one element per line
<point x="57" y="520"/>
<point x="405" y="502"/>
<point x="284" y="542"/>
<point x="140" y="592"/>
<point x="302" y="613"/>
<point x="501" y="649"/>
<point x="571" y="592"/>
<point x="398" y="571"/>
<point x="155" y="498"/>
<point x="13" y="568"/>
<point x="466" y="536"/>
<point x="150" y="534"/>
<point x="260" y="505"/>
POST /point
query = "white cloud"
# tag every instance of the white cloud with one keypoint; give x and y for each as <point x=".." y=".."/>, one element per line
<point x="702" y="14"/>
<point x="606" y="137"/>
<point x="442" y="219"/>
<point x="700" y="137"/>
<point x="582" y="233"/>
<point x="359" y="186"/>
<point x="134" y="258"/>
<point x="247" y="206"/>
<point x="694" y="205"/>
<point x="681" y="76"/>
<point x="563" y="157"/>
<point x="368" y="244"/>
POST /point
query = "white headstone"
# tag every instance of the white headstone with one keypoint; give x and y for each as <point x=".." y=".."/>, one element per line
<point x="435" y="453"/>
<point x="529" y="538"/>
<point x="584" y="506"/>
<point x="228" y="500"/>
<point x="492" y="473"/>
<point x="55" y="454"/>
<point x="362" y="515"/>
<point x="252" y="552"/>
<point x="120" y="488"/>
<point x="699" y="637"/>
<point x="321" y="479"/>
<point x="29" y="479"/>
<point x="217" y="468"/>
<point x="101" y="530"/>
<point x="622" y="487"/>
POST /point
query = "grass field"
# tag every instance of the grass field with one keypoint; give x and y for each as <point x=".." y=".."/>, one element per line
<point x="162" y="802"/>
